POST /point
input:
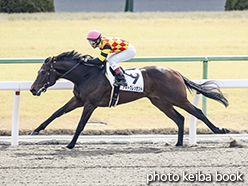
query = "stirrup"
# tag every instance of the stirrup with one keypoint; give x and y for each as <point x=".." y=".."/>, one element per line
<point x="120" y="83"/>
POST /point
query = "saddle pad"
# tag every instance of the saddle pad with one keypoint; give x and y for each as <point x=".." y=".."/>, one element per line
<point x="135" y="82"/>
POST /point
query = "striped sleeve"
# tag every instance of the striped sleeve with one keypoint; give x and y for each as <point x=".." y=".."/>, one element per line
<point x="104" y="53"/>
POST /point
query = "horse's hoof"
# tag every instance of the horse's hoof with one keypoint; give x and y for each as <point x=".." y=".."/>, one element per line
<point x="179" y="145"/>
<point x="225" y="130"/>
<point x="70" y="146"/>
<point x="34" y="133"/>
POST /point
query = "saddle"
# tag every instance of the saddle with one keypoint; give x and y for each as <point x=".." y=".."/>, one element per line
<point x="134" y="78"/>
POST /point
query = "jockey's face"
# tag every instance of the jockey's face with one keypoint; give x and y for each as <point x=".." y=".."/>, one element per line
<point x="94" y="44"/>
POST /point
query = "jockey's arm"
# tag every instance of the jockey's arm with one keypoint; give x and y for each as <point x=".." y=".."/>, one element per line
<point x="104" y="53"/>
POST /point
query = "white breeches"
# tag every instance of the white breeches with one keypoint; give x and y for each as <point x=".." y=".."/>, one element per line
<point x="125" y="55"/>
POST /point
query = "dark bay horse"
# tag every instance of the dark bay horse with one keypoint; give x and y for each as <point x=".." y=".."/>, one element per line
<point x="164" y="87"/>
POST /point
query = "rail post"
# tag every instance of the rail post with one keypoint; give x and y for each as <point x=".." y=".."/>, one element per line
<point x="15" y="118"/>
<point x="192" y="119"/>
<point x="205" y="76"/>
<point x="129" y="6"/>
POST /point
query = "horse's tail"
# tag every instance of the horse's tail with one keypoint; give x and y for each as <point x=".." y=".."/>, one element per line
<point x="212" y="92"/>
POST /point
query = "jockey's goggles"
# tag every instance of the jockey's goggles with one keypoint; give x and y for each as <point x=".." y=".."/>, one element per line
<point x="92" y="42"/>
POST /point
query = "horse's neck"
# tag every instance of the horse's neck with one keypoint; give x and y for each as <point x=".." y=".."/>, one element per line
<point x="77" y="73"/>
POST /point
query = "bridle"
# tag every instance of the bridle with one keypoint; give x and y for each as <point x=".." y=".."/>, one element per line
<point x="47" y="83"/>
<point x="51" y="69"/>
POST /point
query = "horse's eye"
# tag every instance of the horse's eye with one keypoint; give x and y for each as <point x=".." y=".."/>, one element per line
<point x="43" y="73"/>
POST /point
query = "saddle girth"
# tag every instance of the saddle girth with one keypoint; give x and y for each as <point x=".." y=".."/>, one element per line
<point x="114" y="96"/>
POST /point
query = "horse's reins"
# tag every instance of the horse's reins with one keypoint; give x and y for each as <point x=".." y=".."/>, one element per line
<point x="63" y="75"/>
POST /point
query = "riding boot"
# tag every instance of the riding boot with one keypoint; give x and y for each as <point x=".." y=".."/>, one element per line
<point x="120" y="79"/>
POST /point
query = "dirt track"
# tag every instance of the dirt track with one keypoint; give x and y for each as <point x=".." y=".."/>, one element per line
<point x="120" y="164"/>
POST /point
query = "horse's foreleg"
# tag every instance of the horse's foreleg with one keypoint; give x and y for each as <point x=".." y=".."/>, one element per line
<point x="69" y="106"/>
<point x="168" y="110"/>
<point x="88" y="110"/>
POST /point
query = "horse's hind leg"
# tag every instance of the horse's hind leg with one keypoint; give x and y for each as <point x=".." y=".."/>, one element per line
<point x="168" y="110"/>
<point x="199" y="115"/>
<point x="69" y="106"/>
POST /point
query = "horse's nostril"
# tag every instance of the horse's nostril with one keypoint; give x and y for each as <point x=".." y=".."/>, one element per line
<point x="33" y="91"/>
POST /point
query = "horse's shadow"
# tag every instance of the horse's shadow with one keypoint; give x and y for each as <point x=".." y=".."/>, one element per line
<point x="98" y="150"/>
<point x="83" y="150"/>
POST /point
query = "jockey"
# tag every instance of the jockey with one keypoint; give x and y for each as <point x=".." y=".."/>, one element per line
<point x="122" y="51"/>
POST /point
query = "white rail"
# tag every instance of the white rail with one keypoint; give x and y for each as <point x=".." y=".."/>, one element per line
<point x="19" y="86"/>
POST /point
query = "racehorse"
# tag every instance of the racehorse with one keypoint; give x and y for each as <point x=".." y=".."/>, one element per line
<point x="164" y="87"/>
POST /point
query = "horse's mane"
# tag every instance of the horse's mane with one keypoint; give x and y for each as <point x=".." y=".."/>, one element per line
<point x="71" y="55"/>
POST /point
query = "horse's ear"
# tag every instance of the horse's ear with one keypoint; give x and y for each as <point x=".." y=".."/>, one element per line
<point x="51" y="60"/>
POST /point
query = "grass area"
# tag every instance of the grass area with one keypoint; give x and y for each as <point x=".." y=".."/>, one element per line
<point x="153" y="34"/>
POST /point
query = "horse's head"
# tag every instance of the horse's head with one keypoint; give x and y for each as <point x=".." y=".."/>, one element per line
<point x="47" y="77"/>
<point x="61" y="66"/>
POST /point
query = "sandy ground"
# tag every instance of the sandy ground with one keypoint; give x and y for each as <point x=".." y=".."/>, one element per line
<point x="124" y="164"/>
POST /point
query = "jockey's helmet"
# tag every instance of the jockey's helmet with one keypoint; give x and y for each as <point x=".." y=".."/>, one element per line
<point x="93" y="36"/>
